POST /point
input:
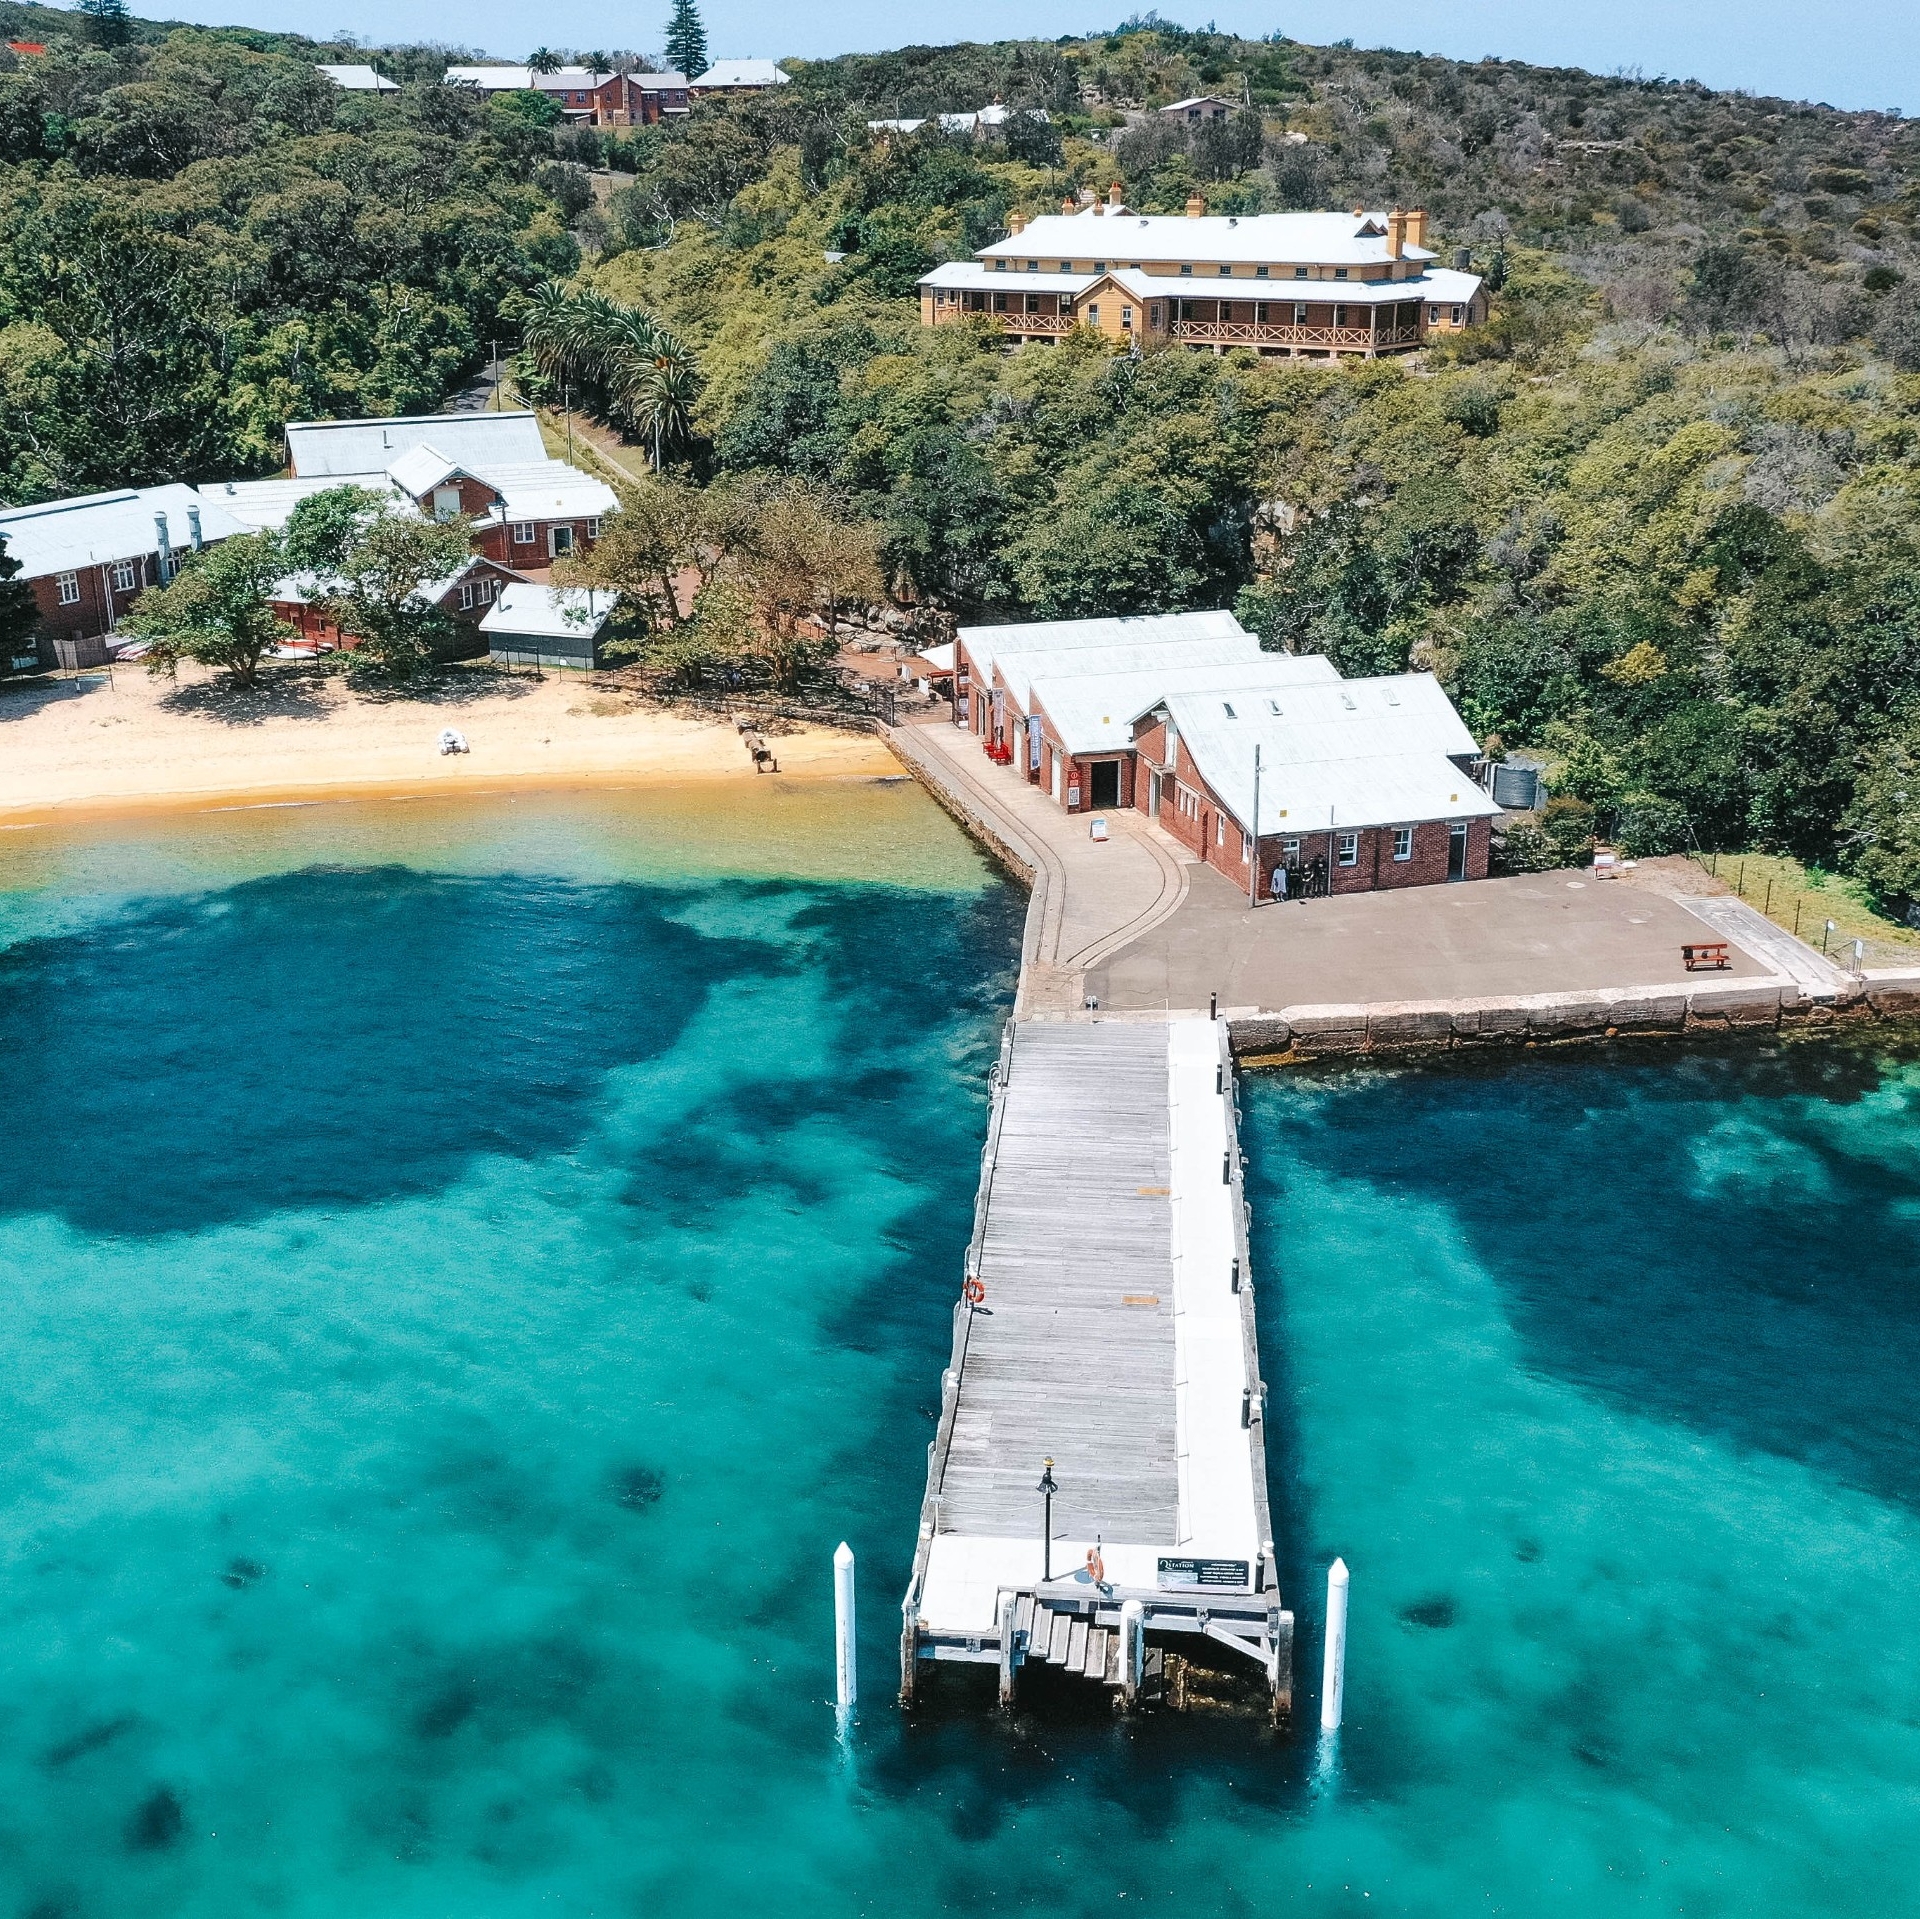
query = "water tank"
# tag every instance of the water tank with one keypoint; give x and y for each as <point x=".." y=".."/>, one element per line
<point x="1517" y="788"/>
<point x="1463" y="259"/>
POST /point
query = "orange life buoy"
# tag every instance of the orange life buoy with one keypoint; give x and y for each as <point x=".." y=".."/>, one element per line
<point x="1096" y="1566"/>
<point x="974" y="1292"/>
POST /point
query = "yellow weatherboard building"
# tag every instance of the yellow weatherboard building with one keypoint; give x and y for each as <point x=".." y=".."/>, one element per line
<point x="1301" y="285"/>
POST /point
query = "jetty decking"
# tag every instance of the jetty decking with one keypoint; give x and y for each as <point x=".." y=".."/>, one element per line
<point x="1105" y="1326"/>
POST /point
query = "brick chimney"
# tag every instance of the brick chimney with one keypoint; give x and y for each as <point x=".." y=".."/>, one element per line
<point x="1113" y="195"/>
<point x="1016" y="225"/>
<point x="1396" y="234"/>
<point x="1196" y="207"/>
<point x="1068" y="205"/>
<point x="1417" y="227"/>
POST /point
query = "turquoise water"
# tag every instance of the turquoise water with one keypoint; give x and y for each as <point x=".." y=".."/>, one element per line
<point x="467" y="1266"/>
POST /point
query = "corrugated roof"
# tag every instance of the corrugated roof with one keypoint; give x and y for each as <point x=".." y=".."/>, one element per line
<point x="1019" y="673"/>
<point x="491" y="79"/>
<point x="1436" y="283"/>
<point x="1091" y="714"/>
<point x="419" y="470"/>
<point x="60" y="536"/>
<point x="548" y="490"/>
<point x="1306" y="239"/>
<point x="263" y="503"/>
<point x="348" y="449"/>
<point x="986" y="644"/>
<point x="1352" y="753"/>
<point x="360" y="79"/>
<point x="549" y="612"/>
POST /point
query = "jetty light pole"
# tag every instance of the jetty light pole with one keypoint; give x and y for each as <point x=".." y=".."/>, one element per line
<point x="1046" y="1489"/>
<point x="1253" y="865"/>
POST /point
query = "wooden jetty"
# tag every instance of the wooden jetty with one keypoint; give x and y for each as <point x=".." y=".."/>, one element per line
<point x="1105" y="1337"/>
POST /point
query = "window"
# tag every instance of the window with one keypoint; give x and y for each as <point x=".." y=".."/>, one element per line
<point x="1433" y="316"/>
<point x="593" y="529"/>
<point x="1093" y="316"/>
<point x="1186" y="801"/>
<point x="466" y="599"/>
<point x="1339" y="273"/>
<point x="1126" y="318"/>
<point x="999" y="266"/>
<point x="559" y="540"/>
<point x="1299" y="314"/>
<point x="1153" y="316"/>
<point x="1033" y="303"/>
<point x="1246" y="846"/>
<point x="69" y="584"/>
<point x="523" y="532"/>
<point x="1289" y="852"/>
<point x="1219" y="829"/>
<point x="1260" y="273"/>
<point x="1349" y="849"/>
<point x="124" y="577"/>
<point x="1066" y="266"/>
<point x="1299" y="273"/>
<point x="999" y="303"/>
<point x="1033" y="266"/>
<point x="1186" y="269"/>
<point x="1458" y="314"/>
<point x="1403" y="842"/>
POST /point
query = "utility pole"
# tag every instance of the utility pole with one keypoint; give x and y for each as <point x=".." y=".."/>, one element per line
<point x="1253" y="864"/>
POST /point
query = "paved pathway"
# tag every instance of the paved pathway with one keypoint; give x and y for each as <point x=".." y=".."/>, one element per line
<point x="1777" y="949"/>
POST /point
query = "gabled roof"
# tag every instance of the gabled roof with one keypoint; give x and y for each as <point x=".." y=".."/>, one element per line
<point x="302" y="589"/>
<point x="743" y="73"/>
<point x="422" y="468"/>
<point x="549" y="612"/>
<point x="1350" y="753"/>
<point x="491" y="78"/>
<point x="360" y="79"/>
<point x="61" y="536"/>
<point x="1021" y="673"/>
<point x="1325" y="239"/>
<point x="668" y="82"/>
<point x="985" y="645"/>
<point x="352" y="448"/>
<point x="1200" y="100"/>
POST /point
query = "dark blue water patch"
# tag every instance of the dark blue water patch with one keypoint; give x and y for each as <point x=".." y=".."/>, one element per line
<point x="331" y="1038"/>
<point x="1714" y="1237"/>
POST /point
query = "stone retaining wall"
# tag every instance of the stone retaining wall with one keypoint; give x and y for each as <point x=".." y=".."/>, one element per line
<point x="1421" y="1026"/>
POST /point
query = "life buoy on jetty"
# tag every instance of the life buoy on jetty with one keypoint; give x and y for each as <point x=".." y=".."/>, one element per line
<point x="1096" y="1566"/>
<point x="973" y="1292"/>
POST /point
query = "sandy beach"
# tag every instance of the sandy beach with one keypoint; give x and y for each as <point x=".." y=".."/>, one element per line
<point x="94" y="745"/>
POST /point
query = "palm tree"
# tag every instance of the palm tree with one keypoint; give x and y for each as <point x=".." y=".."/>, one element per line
<point x="549" y="326"/>
<point x="661" y="404"/>
<point x="543" y="60"/>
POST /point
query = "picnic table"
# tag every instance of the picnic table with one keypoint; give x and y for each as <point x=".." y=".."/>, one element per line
<point x="1706" y="956"/>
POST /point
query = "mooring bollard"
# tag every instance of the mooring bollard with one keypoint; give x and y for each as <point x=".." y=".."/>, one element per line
<point x="1333" y="1677"/>
<point x="846" y="1673"/>
<point x="1133" y="1649"/>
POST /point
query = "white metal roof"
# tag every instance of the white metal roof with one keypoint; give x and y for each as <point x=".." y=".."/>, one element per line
<point x="1348" y="753"/>
<point x="302" y="589"/>
<point x="549" y="612"/>
<point x="1200" y="100"/>
<point x="1448" y="283"/>
<point x="60" y="536"/>
<point x="360" y="79"/>
<point x="1436" y="284"/>
<point x="263" y="503"/>
<point x="939" y="658"/>
<point x="491" y="79"/>
<point x="549" y="490"/>
<point x="1324" y="239"/>
<point x="658" y="82"/>
<point x="1092" y="714"/>
<point x="984" y="645"/>
<point x="1020" y="673"/>
<point x="971" y="275"/>
<point x="743" y="73"/>
<point x="421" y="468"/>
<point x="350" y="448"/>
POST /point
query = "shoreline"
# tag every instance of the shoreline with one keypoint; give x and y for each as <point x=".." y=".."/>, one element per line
<point x="90" y="751"/>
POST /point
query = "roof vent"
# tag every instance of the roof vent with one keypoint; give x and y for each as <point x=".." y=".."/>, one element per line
<point x="1273" y="706"/>
<point x="1393" y="698"/>
<point x="1346" y="700"/>
<point x="1227" y="709"/>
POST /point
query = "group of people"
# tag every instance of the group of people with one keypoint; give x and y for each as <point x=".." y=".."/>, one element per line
<point x="1300" y="882"/>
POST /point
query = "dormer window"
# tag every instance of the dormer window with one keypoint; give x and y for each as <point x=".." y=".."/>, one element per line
<point x="1260" y="273"/>
<point x="1299" y="273"/>
<point x="1186" y="269"/>
<point x="1339" y="273"/>
<point x="1033" y="266"/>
<point x="999" y="266"/>
<point x="1226" y="270"/>
<point x="1066" y="266"/>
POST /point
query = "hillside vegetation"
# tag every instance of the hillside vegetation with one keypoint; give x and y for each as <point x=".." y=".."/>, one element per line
<point x="1657" y="520"/>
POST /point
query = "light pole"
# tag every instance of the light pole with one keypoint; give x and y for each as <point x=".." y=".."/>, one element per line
<point x="1046" y="1490"/>
<point x="1253" y="864"/>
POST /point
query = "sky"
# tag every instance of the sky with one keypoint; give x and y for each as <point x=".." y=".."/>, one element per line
<point x="1848" y="53"/>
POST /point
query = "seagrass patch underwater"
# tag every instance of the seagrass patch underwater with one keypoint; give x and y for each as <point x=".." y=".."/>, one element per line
<point x="467" y="1267"/>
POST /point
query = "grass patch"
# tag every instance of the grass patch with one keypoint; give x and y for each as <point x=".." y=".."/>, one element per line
<point x="1803" y="898"/>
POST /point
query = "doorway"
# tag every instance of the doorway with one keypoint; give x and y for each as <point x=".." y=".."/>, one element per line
<point x="1105" y="777"/>
<point x="1456" y="852"/>
<point x="1057" y="764"/>
<point x="1153" y="796"/>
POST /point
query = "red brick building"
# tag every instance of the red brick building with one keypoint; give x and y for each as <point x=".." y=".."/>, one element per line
<point x="88" y="559"/>
<point x="468" y="595"/>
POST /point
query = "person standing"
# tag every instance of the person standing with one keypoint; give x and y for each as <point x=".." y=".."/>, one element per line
<point x="1277" y="885"/>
